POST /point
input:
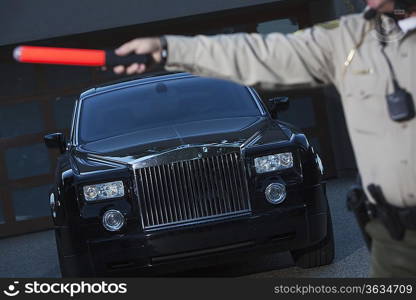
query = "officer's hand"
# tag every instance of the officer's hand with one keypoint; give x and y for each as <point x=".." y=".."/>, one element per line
<point x="139" y="46"/>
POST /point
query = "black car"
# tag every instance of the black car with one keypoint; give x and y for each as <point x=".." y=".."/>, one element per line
<point x="172" y="172"/>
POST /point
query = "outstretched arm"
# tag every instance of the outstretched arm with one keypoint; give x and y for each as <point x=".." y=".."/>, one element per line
<point x="302" y="59"/>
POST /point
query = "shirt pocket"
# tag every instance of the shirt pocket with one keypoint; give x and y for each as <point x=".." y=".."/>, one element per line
<point x="365" y="101"/>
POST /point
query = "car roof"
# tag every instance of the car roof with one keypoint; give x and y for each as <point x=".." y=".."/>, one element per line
<point x="124" y="83"/>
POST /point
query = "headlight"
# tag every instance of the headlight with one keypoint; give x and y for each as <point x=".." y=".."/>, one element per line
<point x="274" y="162"/>
<point x="104" y="191"/>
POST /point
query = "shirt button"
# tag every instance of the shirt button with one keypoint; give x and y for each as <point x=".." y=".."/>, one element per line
<point x="404" y="55"/>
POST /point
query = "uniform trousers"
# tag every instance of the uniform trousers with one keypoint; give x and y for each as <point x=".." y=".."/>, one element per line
<point x="391" y="258"/>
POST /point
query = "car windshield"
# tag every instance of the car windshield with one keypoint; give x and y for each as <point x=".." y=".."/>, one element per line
<point x="163" y="103"/>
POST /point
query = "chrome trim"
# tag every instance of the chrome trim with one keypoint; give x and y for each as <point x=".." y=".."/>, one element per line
<point x="107" y="160"/>
<point x="257" y="99"/>
<point x="71" y="135"/>
<point x="224" y="187"/>
<point x="90" y="172"/>
<point x="184" y="153"/>
<point x="251" y="140"/>
<point x="77" y="122"/>
<point x="201" y="220"/>
<point x="137" y="194"/>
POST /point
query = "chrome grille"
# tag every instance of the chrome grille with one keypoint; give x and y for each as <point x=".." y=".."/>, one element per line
<point x="192" y="190"/>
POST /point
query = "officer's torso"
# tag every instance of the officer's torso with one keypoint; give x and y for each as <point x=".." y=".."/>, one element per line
<point x="385" y="150"/>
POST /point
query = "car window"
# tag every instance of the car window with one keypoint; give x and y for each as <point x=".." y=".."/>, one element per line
<point x="161" y="104"/>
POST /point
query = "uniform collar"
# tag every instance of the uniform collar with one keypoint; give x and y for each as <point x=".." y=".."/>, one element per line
<point x="408" y="24"/>
<point x="388" y="25"/>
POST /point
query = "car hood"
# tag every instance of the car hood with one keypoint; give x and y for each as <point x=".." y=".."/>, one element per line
<point x="127" y="148"/>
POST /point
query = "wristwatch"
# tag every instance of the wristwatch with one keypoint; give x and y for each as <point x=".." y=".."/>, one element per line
<point x="164" y="53"/>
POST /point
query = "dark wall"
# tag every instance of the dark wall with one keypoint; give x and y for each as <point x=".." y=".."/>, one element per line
<point x="28" y="20"/>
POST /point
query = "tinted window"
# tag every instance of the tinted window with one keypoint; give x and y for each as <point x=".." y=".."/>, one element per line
<point x="162" y="104"/>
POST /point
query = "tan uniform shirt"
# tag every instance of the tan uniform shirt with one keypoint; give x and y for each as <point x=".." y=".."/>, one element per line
<point x="385" y="150"/>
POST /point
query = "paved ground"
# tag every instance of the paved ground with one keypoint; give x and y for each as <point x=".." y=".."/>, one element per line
<point x="34" y="255"/>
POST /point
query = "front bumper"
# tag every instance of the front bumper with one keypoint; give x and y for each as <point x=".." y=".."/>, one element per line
<point x="171" y="250"/>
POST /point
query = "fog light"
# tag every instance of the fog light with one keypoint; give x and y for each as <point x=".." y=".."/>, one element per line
<point x="276" y="193"/>
<point x="113" y="220"/>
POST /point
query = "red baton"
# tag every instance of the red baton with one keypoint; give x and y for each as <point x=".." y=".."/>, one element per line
<point x="76" y="57"/>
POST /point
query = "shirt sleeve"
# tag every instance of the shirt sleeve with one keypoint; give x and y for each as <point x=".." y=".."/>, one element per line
<point x="275" y="60"/>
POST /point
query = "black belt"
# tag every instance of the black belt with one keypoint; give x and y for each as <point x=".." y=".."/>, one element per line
<point x="407" y="216"/>
<point x="395" y="219"/>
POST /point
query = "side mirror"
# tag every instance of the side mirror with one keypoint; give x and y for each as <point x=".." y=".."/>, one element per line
<point x="278" y="104"/>
<point x="55" y="140"/>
